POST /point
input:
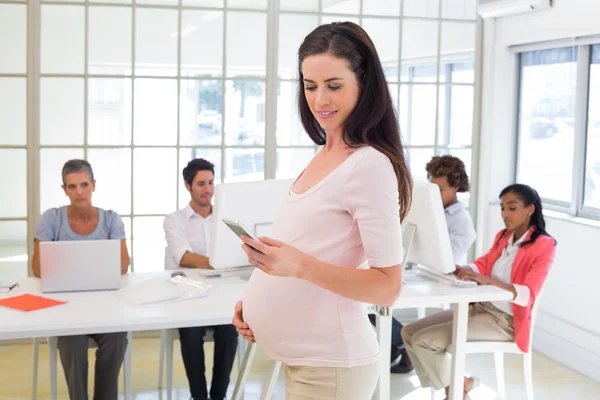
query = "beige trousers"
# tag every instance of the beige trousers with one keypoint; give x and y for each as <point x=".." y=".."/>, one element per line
<point x="331" y="383"/>
<point x="426" y="340"/>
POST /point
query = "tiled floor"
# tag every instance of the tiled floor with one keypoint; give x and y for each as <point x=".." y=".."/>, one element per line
<point x="552" y="381"/>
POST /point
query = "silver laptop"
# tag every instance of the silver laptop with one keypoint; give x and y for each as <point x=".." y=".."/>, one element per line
<point x="82" y="265"/>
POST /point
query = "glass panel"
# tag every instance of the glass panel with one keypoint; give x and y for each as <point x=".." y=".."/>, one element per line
<point x="459" y="9"/>
<point x="291" y="162"/>
<point x="148" y="244"/>
<point x="111" y="1"/>
<point x="13" y="38"/>
<point x="403" y="114"/>
<point x="246" y="48"/>
<point x="159" y="2"/>
<point x="51" y="164"/>
<point x="381" y="7"/>
<point x="250" y="4"/>
<point x="185" y="156"/>
<point x="418" y="158"/>
<point x="13" y="111"/>
<point x="245" y="113"/>
<point x="289" y="127"/>
<point x="385" y="34"/>
<point x="112" y="170"/>
<point x="421" y="8"/>
<point x="244" y="165"/>
<point x="61" y="122"/>
<point x="341" y="6"/>
<point x="463" y="72"/>
<point x="155" y="112"/>
<point x="327" y="19"/>
<point x="109" y="40"/>
<point x="109" y="111"/>
<point x="13" y="249"/>
<point x="419" y="47"/>
<point x="199" y="56"/>
<point x="200" y="114"/>
<point x="156" y="42"/>
<point x="592" y="174"/>
<point x="298" y="5"/>
<point x="62" y="39"/>
<point x="13" y="175"/>
<point x="419" y="110"/>
<point x="456" y="115"/>
<point x="293" y="29"/>
<point x="154" y="183"/>
<point x="458" y="40"/>
<point x="204" y="3"/>
<point x="546" y="121"/>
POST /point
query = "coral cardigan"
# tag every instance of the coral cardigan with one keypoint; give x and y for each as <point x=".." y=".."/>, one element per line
<point x="530" y="268"/>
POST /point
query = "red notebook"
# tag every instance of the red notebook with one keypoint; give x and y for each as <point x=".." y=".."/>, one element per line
<point x="29" y="302"/>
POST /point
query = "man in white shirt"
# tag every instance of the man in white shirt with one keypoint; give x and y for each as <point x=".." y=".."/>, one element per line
<point x="188" y="235"/>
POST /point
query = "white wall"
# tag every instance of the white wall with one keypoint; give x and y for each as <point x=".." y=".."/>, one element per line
<point x="568" y="327"/>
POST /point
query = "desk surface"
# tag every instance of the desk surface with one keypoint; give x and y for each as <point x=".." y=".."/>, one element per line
<point x="422" y="292"/>
<point x="107" y="311"/>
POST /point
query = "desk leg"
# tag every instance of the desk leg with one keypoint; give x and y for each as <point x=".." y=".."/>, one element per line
<point x="459" y="341"/>
<point x="384" y="337"/>
<point x="243" y="373"/>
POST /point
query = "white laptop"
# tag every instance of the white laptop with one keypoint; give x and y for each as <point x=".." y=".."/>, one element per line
<point x="82" y="265"/>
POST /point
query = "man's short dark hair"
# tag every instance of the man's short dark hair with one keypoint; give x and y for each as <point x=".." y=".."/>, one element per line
<point x="194" y="166"/>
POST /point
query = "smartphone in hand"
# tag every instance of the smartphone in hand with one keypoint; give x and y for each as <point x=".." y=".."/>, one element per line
<point x="238" y="229"/>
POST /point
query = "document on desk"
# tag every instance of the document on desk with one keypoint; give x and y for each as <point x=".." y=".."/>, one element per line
<point x="29" y="302"/>
<point x="162" y="289"/>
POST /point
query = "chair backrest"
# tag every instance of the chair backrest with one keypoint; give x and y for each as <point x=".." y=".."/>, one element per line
<point x="534" y="311"/>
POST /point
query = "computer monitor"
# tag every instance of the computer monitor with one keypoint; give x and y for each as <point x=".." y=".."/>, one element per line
<point x="255" y="205"/>
<point x="425" y="233"/>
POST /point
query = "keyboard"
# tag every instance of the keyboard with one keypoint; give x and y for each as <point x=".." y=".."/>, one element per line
<point x="450" y="278"/>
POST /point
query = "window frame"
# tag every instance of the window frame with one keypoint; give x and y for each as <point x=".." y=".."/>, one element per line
<point x="575" y="207"/>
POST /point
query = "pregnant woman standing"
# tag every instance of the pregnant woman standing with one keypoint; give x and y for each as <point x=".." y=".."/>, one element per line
<point x="337" y="242"/>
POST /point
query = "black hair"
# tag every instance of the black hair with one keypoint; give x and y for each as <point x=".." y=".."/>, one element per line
<point x="529" y="196"/>
<point x="194" y="166"/>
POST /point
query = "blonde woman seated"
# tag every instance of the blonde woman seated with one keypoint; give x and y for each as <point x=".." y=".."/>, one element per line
<point x="519" y="262"/>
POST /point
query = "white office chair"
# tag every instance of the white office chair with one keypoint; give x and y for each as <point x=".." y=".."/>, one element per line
<point x="167" y="338"/>
<point x="52" y="360"/>
<point x="501" y="348"/>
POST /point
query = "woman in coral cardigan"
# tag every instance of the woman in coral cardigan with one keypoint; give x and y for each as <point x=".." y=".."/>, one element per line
<point x="519" y="262"/>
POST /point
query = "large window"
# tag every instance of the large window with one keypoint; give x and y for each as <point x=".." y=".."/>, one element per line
<point x="13" y="140"/>
<point x="559" y="127"/>
<point x="139" y="88"/>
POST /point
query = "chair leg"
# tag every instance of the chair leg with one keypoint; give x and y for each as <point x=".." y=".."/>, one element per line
<point x="527" y="358"/>
<point x="243" y="374"/>
<point x="273" y="374"/>
<point x="499" y="360"/>
<point x="432" y="391"/>
<point x="52" y="360"/>
<point x="169" y="366"/>
<point x="421" y="312"/>
<point x="36" y="359"/>
<point x="161" y="360"/>
<point x="127" y="367"/>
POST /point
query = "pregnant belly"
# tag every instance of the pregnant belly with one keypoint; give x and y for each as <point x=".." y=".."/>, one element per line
<point x="287" y="314"/>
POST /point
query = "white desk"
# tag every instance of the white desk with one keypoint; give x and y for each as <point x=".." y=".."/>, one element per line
<point x="106" y="311"/>
<point x="425" y="293"/>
